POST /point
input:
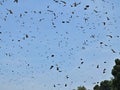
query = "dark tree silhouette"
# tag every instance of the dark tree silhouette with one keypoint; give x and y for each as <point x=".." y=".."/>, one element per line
<point x="104" y="85"/>
<point x="96" y="87"/>
<point x="116" y="74"/>
<point x="81" y="88"/>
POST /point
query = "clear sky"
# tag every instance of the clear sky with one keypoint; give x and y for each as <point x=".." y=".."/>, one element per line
<point x="57" y="44"/>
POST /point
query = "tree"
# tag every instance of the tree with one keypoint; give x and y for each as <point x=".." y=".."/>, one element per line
<point x="96" y="87"/>
<point x="106" y="85"/>
<point x="81" y="88"/>
<point x="116" y="74"/>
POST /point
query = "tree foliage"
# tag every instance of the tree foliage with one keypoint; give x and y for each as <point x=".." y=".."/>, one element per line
<point x="81" y="88"/>
<point x="96" y="87"/>
<point x="104" y="85"/>
<point x="116" y="74"/>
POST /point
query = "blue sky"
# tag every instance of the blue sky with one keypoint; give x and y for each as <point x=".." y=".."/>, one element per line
<point x="33" y="31"/>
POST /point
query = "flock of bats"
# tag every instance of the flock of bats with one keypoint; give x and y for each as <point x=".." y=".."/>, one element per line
<point x="72" y="15"/>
